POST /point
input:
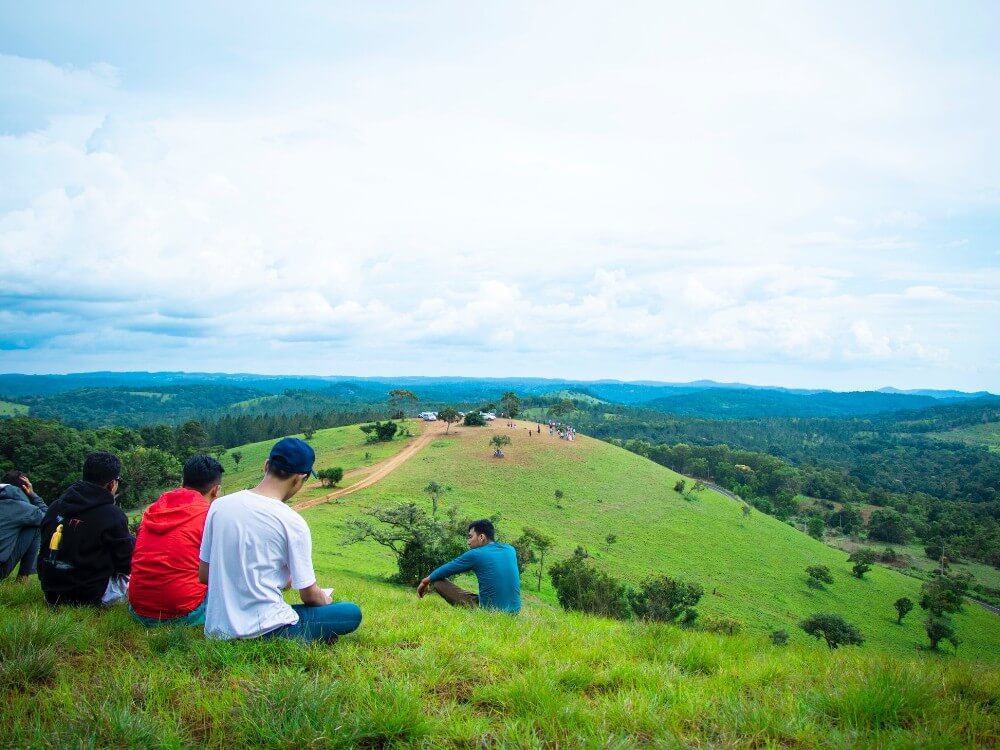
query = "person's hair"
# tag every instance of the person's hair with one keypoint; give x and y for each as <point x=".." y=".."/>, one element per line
<point x="484" y="526"/>
<point x="101" y="468"/>
<point x="15" y="478"/>
<point x="202" y="473"/>
<point x="279" y="473"/>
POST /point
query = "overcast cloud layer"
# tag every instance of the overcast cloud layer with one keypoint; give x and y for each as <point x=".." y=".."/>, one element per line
<point x="791" y="194"/>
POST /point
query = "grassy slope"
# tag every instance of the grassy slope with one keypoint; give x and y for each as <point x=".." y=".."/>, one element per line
<point x="980" y="434"/>
<point x="419" y="674"/>
<point x="10" y="409"/>
<point x="755" y="567"/>
<point x="337" y="446"/>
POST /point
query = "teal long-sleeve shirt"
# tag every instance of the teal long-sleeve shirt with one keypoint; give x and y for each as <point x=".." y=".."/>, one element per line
<point x="495" y="566"/>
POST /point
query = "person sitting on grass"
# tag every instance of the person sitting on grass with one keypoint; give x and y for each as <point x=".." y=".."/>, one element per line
<point x="21" y="514"/>
<point x="86" y="554"/>
<point x="164" y="588"/>
<point x="495" y="566"/>
<point x="254" y="547"/>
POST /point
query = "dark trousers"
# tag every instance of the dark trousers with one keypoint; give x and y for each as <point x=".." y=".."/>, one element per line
<point x="25" y="554"/>
<point x="456" y="596"/>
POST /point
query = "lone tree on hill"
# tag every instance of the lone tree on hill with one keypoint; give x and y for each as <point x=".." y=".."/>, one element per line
<point x="308" y="433"/>
<point x="903" y="607"/>
<point x="943" y="595"/>
<point x="679" y="486"/>
<point x="833" y="629"/>
<point x="559" y="495"/>
<point x="818" y="575"/>
<point x="449" y="416"/>
<point x="331" y="477"/>
<point x="474" y="418"/>
<point x="498" y="442"/>
<point x="237" y="457"/>
<point x="939" y="628"/>
<point x="434" y="490"/>
<point x="815" y="526"/>
<point x="537" y="544"/>
<point x="609" y="540"/>
<point x="399" y="398"/>
<point x="511" y="404"/>
<point x="863" y="560"/>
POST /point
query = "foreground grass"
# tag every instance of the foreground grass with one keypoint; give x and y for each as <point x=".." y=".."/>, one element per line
<point x="419" y="674"/>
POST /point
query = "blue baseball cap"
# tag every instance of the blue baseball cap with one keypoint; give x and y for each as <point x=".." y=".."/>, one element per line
<point x="293" y="456"/>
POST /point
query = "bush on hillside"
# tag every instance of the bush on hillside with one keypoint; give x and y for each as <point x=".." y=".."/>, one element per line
<point x="666" y="599"/>
<point x="833" y="629"/>
<point x="818" y="575"/>
<point x="815" y="526"/>
<point x="939" y="628"/>
<point x="779" y="637"/>
<point x="863" y="560"/>
<point x="474" y="419"/>
<point x="419" y="542"/>
<point x="903" y="606"/>
<point x="380" y="432"/>
<point x="330" y="477"/>
<point x="888" y="525"/>
<point x="944" y="594"/>
<point x="583" y="588"/>
<point x="721" y="624"/>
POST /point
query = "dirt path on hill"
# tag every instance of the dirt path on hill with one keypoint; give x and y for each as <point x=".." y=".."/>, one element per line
<point x="380" y="470"/>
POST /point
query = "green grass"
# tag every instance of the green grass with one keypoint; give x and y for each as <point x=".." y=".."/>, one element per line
<point x="10" y="409"/>
<point x="254" y="401"/>
<point x="981" y="434"/>
<point x="752" y="570"/>
<point x="419" y="674"/>
<point x="337" y="446"/>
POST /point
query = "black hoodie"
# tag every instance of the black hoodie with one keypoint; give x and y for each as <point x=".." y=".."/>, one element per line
<point x="95" y="544"/>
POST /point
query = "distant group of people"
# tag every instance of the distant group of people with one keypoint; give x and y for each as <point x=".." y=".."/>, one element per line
<point x="199" y="558"/>
<point x="565" y="432"/>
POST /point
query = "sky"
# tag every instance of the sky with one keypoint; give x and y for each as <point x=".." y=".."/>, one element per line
<point x="785" y="193"/>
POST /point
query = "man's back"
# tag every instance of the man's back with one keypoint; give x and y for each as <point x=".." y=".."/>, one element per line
<point x="94" y="544"/>
<point x="254" y="545"/>
<point x="164" y="583"/>
<point x="495" y="566"/>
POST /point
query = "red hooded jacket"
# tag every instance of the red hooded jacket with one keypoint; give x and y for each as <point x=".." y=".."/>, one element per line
<point x="164" y="582"/>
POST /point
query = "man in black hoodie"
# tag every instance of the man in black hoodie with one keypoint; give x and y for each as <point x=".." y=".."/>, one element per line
<point x="86" y="550"/>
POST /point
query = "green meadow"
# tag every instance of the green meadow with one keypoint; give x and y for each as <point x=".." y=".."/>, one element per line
<point x="345" y="447"/>
<point x="11" y="409"/>
<point x="419" y="674"/>
<point x="987" y="435"/>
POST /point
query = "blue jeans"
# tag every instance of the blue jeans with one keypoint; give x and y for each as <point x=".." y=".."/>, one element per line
<point x="321" y="623"/>
<point x="194" y="617"/>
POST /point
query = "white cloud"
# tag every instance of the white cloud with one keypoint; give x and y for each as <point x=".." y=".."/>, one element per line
<point x="667" y="183"/>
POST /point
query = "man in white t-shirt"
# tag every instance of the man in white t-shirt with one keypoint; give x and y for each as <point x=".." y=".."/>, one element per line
<point x="254" y="547"/>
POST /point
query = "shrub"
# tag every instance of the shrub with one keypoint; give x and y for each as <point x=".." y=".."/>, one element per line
<point x="419" y="542"/>
<point x="888" y="525"/>
<point x="779" y="637"/>
<point x="903" y="607"/>
<point x="943" y="594"/>
<point x="818" y="575"/>
<point x="815" y="526"/>
<point x="863" y="560"/>
<point x="679" y="486"/>
<point x="722" y="624"/>
<point x="474" y="419"/>
<point x="833" y="629"/>
<point x="666" y="599"/>
<point x="939" y="628"/>
<point x="581" y="587"/>
<point x="330" y="477"/>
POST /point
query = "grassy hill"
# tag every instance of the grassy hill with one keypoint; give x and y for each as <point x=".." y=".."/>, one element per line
<point x="987" y="435"/>
<point x="420" y="674"/>
<point x="752" y="570"/>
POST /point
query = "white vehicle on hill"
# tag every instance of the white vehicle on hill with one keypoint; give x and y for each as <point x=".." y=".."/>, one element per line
<point x="429" y="416"/>
<point x="488" y="415"/>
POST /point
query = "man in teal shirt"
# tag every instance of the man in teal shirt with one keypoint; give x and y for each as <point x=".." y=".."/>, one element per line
<point x="495" y="566"/>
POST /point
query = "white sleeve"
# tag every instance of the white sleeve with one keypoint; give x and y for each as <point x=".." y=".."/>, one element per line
<point x="206" y="538"/>
<point x="300" y="555"/>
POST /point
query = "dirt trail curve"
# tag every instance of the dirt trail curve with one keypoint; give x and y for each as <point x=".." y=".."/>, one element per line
<point x="382" y="469"/>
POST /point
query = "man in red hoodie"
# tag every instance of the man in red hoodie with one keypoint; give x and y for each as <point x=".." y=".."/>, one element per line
<point x="164" y="588"/>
